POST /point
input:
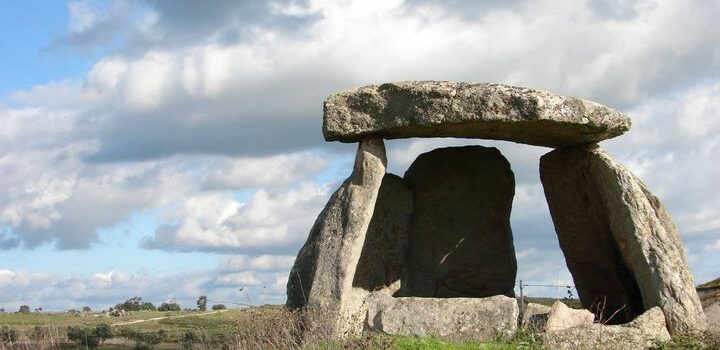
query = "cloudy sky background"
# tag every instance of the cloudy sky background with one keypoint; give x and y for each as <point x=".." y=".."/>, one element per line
<point x="169" y="149"/>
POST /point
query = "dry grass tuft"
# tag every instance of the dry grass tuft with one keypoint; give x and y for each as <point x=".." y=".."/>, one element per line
<point x="281" y="328"/>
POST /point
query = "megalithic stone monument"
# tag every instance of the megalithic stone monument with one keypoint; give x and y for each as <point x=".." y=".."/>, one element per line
<point x="386" y="248"/>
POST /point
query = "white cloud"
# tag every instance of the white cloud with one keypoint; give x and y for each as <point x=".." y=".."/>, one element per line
<point x="263" y="262"/>
<point x="148" y="79"/>
<point x="216" y="222"/>
<point x="713" y="247"/>
<point x="242" y="279"/>
<point x="280" y="170"/>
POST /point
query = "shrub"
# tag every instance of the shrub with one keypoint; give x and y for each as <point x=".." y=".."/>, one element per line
<point x="104" y="332"/>
<point x="189" y="338"/>
<point x="39" y="333"/>
<point x="8" y="334"/>
<point x="219" y="307"/>
<point x="83" y="336"/>
<point x="144" y="339"/>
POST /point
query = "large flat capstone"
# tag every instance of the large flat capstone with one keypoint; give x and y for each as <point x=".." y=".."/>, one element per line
<point x="468" y="110"/>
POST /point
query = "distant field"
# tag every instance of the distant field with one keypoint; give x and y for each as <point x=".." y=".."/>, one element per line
<point x="221" y="327"/>
<point x="24" y="321"/>
<point x="209" y="324"/>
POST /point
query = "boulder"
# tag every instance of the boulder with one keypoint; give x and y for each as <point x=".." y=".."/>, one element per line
<point x="620" y="243"/>
<point x="534" y="317"/>
<point x="712" y="312"/>
<point x="455" y="319"/>
<point x="468" y="110"/>
<point x="645" y="332"/>
<point x="461" y="242"/>
<point x="324" y="269"/>
<point x="562" y="317"/>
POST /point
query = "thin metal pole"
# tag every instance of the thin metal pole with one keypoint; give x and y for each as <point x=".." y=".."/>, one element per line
<point x="522" y="301"/>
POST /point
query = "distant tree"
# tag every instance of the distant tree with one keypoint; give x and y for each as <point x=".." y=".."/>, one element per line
<point x="86" y="309"/>
<point x="169" y="307"/>
<point x="24" y="309"/>
<point x="202" y="303"/>
<point x="219" y="307"/>
<point x="2" y="311"/>
<point x="135" y="304"/>
<point x="148" y="306"/>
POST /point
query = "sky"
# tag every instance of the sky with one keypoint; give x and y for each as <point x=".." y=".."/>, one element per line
<point x="170" y="149"/>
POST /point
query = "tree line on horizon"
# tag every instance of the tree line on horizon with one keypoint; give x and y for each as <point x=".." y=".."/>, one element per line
<point x="136" y="304"/>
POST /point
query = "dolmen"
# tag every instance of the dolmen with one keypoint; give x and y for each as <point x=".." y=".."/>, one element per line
<point x="431" y="253"/>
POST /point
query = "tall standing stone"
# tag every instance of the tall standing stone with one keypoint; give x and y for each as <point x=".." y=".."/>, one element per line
<point x="601" y="210"/>
<point x="325" y="267"/>
<point x="603" y="281"/>
<point x="461" y="242"/>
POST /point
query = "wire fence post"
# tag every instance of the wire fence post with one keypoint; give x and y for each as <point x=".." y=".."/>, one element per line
<point x="522" y="300"/>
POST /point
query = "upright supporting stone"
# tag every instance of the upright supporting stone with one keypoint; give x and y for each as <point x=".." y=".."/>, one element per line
<point x="324" y="269"/>
<point x="461" y="242"/>
<point x="603" y="281"/>
<point x="383" y="255"/>
<point x="618" y="239"/>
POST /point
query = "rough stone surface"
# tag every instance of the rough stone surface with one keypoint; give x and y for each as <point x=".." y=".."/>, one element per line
<point x="448" y="318"/>
<point x="709" y="294"/>
<point x="712" y="312"/>
<point x="646" y="331"/>
<point x="385" y="248"/>
<point x="534" y="317"/>
<point x="562" y="317"/>
<point x="468" y="110"/>
<point x="323" y="272"/>
<point x="591" y="197"/>
<point x="461" y="242"/>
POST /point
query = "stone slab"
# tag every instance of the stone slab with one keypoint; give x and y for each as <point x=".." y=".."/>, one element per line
<point x="468" y="110"/>
<point x="455" y="319"/>
<point x="461" y="242"/>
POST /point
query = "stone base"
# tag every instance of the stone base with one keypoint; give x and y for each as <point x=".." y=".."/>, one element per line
<point x="455" y="319"/>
